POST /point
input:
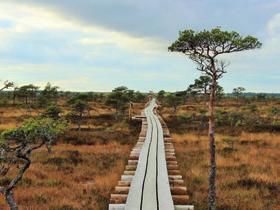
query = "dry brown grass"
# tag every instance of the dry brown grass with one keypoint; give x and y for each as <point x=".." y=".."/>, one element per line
<point x="248" y="173"/>
<point x="83" y="176"/>
<point x="224" y="105"/>
<point x="76" y="177"/>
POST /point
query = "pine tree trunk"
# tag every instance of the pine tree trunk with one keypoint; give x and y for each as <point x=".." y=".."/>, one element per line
<point x="80" y="121"/>
<point x="212" y="147"/>
<point x="10" y="200"/>
<point x="205" y="94"/>
<point x="129" y="110"/>
<point x="14" y="97"/>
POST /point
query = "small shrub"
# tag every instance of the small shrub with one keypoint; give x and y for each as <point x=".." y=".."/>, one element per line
<point x="229" y="141"/>
<point x="102" y="197"/>
<point x="74" y="157"/>
<point x="198" y="180"/>
<point x="25" y="182"/>
<point x="276" y="123"/>
<point x="4" y="102"/>
<point x="227" y="150"/>
<point x="58" y="161"/>
<point x="53" y="111"/>
<point x="40" y="199"/>
<point x="4" y="181"/>
<point x="50" y="183"/>
<point x="273" y="111"/>
<point x="63" y="207"/>
<point x="259" y="143"/>
<point x="236" y="119"/>
<point x="252" y="108"/>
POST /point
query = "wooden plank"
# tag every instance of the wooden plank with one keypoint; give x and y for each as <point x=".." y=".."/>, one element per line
<point x="151" y="160"/>
<point x="152" y="178"/>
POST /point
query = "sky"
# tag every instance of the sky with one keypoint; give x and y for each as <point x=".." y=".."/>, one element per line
<point x="94" y="45"/>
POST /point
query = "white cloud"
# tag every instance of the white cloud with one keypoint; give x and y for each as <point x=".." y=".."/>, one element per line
<point x="273" y="26"/>
<point x="272" y="44"/>
<point x="31" y="18"/>
<point x="59" y="43"/>
<point x="45" y="43"/>
<point x="123" y="41"/>
<point x="79" y="83"/>
<point x="270" y="47"/>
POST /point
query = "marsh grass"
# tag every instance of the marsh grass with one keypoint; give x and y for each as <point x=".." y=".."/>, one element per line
<point x="85" y="166"/>
<point x="248" y="176"/>
<point x="77" y="177"/>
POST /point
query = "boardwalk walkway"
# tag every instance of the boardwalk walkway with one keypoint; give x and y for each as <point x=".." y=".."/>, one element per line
<point x="151" y="180"/>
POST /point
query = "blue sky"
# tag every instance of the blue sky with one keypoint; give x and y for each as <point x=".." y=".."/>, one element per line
<point x="92" y="45"/>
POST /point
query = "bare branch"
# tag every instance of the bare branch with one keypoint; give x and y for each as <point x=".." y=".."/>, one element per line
<point x="220" y="68"/>
<point x="7" y="85"/>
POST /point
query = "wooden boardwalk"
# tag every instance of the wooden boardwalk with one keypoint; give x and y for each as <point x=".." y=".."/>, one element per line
<point x="152" y="180"/>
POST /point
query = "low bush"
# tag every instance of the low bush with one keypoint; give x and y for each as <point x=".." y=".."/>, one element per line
<point x="63" y="207"/>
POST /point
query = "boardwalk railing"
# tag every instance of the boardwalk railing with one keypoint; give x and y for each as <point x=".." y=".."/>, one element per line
<point x="152" y="179"/>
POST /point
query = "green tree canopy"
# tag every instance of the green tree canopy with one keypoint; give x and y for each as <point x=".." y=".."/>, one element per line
<point x="53" y="111"/>
<point x="50" y="92"/>
<point x="48" y="96"/>
<point x="237" y="92"/>
<point x="119" y="99"/>
<point x="202" y="85"/>
<point x="209" y="44"/>
<point x="17" y="145"/>
<point x="33" y="131"/>
<point x="139" y="97"/>
<point x="173" y="100"/>
<point x="79" y="105"/>
<point x="161" y="95"/>
<point x="27" y="92"/>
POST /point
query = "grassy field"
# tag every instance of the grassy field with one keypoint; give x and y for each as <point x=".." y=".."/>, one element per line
<point x="72" y="177"/>
<point x="85" y="165"/>
<point x="248" y="176"/>
<point x="82" y="169"/>
<point x="248" y="171"/>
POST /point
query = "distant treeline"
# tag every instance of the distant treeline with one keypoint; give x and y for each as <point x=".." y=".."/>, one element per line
<point x="72" y="93"/>
<point x="252" y="94"/>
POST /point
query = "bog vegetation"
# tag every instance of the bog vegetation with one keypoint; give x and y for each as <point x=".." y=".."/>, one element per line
<point x="79" y="169"/>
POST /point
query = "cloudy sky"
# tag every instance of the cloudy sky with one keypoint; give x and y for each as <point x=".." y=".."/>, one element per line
<point x="96" y="45"/>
